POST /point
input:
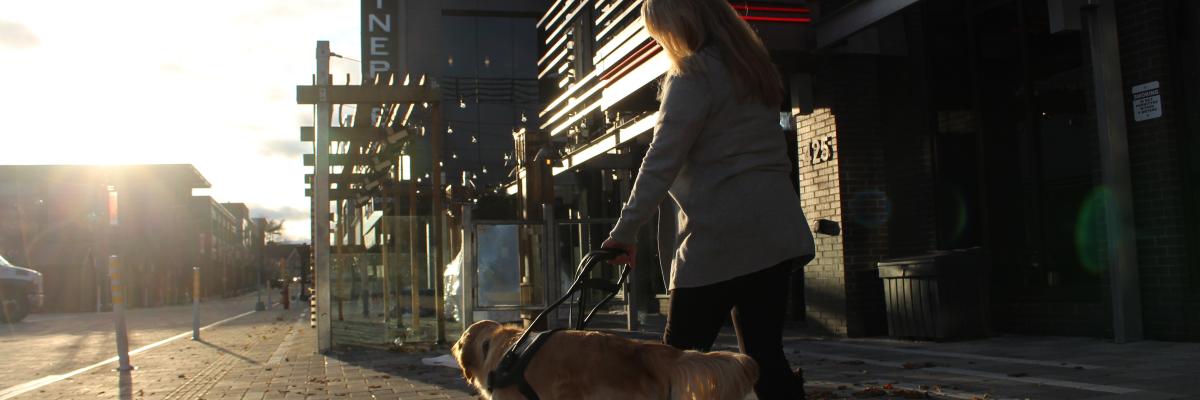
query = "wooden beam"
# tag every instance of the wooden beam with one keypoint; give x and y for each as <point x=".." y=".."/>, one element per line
<point x="367" y="94"/>
<point x="339" y="194"/>
<point x="347" y="134"/>
<point x="341" y="160"/>
<point x="353" y="194"/>
<point x="341" y="179"/>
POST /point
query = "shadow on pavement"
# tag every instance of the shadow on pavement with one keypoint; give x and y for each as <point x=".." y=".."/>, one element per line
<point x="379" y="363"/>
<point x="223" y="350"/>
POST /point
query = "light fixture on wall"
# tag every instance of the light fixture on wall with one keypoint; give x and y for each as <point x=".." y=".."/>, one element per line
<point x="549" y="155"/>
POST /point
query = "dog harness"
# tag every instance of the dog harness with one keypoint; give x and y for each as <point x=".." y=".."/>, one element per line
<point x="511" y="369"/>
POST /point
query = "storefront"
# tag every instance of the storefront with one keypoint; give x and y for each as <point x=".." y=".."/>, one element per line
<point x="950" y="125"/>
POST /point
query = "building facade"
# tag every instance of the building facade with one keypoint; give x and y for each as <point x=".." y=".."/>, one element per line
<point x="64" y="221"/>
<point x="1050" y="134"/>
<point x="1049" y="138"/>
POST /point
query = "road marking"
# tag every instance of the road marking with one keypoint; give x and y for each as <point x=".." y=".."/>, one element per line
<point x="1009" y="360"/>
<point x="982" y="374"/>
<point x="26" y="387"/>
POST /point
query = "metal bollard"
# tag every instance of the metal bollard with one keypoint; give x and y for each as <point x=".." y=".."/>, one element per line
<point x="268" y="295"/>
<point x="312" y="307"/>
<point x="118" y="303"/>
<point x="195" y="303"/>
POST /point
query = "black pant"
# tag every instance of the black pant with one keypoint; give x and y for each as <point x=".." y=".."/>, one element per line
<point x="758" y="302"/>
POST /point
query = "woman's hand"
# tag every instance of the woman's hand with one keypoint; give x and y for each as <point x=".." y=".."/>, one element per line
<point x="630" y="256"/>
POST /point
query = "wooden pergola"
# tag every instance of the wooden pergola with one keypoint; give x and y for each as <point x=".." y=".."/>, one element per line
<point x="354" y="164"/>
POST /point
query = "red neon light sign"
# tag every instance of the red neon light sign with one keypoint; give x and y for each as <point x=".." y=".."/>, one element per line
<point x="745" y="7"/>
<point x="777" y="19"/>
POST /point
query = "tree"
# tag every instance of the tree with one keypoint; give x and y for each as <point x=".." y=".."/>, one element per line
<point x="273" y="230"/>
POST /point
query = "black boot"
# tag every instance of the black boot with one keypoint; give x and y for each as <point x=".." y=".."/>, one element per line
<point x="800" y="382"/>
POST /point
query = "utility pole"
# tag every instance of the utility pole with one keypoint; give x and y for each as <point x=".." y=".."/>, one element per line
<point x="413" y="272"/>
<point x="320" y="193"/>
<point x="438" y="216"/>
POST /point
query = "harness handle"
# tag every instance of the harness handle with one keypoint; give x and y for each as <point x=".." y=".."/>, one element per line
<point x="589" y="261"/>
<point x="512" y="365"/>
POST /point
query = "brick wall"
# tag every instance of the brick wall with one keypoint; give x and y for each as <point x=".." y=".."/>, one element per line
<point x="820" y="195"/>
<point x="1155" y="167"/>
<point x="842" y="179"/>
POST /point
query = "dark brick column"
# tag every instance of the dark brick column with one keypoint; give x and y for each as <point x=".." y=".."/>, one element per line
<point x="1158" y="196"/>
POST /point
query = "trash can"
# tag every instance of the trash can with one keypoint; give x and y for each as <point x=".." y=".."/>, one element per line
<point x="937" y="296"/>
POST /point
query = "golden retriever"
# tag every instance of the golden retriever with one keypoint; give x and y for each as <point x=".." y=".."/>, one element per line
<point x="595" y="365"/>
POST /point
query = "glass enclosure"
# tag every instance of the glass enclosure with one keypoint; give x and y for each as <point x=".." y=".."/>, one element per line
<point x="375" y="291"/>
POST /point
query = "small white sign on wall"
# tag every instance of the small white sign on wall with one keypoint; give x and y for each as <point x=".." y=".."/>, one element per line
<point x="1147" y="103"/>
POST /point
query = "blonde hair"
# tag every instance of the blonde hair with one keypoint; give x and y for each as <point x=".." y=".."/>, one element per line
<point x="682" y="27"/>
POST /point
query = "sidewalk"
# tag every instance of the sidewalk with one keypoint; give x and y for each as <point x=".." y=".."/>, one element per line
<point x="269" y="355"/>
<point x="266" y="355"/>
<point x="1002" y="367"/>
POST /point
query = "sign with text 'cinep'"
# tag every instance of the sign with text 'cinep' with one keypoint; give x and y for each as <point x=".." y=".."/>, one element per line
<point x="380" y="38"/>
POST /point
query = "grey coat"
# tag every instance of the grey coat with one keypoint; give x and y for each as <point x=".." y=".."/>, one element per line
<point x="724" y="163"/>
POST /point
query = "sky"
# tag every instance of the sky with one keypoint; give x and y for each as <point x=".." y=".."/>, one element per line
<point x="209" y="83"/>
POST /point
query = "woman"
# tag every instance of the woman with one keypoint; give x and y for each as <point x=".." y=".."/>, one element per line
<point x="718" y="151"/>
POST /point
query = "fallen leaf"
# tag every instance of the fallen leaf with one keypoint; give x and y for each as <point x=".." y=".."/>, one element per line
<point x="870" y="392"/>
<point x="910" y="394"/>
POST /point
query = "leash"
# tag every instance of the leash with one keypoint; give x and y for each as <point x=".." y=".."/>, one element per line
<point x="511" y="369"/>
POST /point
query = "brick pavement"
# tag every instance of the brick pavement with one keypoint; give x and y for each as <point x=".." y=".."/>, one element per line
<point x="267" y="355"/>
<point x="1012" y="366"/>
<point x="1001" y="367"/>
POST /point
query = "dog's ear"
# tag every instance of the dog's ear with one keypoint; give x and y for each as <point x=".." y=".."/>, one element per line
<point x="473" y="347"/>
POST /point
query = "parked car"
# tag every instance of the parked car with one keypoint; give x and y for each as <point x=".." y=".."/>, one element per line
<point x="21" y="291"/>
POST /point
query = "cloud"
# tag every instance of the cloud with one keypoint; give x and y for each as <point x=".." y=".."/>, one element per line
<point x="17" y="36"/>
<point x="296" y="224"/>
<point x="277" y="95"/>
<point x="280" y="214"/>
<point x="305" y="118"/>
<point x="172" y="68"/>
<point x="277" y="10"/>
<point x="286" y="148"/>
